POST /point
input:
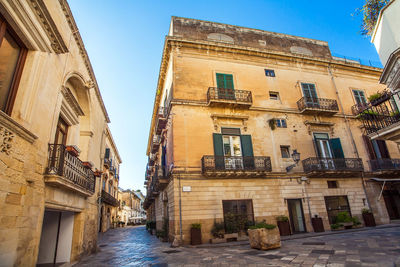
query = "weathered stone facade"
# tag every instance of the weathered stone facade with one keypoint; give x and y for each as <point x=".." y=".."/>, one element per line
<point x="185" y="188"/>
<point x="48" y="174"/>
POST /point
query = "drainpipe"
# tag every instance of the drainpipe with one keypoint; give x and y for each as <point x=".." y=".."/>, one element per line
<point x="180" y="208"/>
<point x="350" y="133"/>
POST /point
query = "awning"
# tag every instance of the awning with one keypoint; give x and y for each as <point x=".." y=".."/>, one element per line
<point x="384" y="182"/>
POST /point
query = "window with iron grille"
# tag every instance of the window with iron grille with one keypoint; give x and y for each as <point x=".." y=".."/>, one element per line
<point x="285" y="152"/>
<point x="269" y="73"/>
<point x="333" y="184"/>
<point x="273" y="95"/>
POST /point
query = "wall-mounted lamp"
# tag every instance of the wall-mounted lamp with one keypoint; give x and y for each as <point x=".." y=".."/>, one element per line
<point x="296" y="159"/>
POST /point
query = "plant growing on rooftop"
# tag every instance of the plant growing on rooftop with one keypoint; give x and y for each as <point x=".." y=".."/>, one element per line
<point x="370" y="12"/>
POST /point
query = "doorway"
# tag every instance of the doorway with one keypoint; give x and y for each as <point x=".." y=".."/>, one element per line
<point x="336" y="204"/>
<point x="392" y="202"/>
<point x="296" y="216"/>
<point x="56" y="238"/>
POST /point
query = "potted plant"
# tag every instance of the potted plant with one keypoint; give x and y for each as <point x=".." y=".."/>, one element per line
<point x="368" y="217"/>
<point x="317" y="224"/>
<point x="379" y="97"/>
<point x="88" y="164"/>
<point x="264" y="236"/>
<point x="283" y="225"/>
<point x="231" y="227"/>
<point x="218" y="231"/>
<point x="344" y="219"/>
<point x="337" y="226"/>
<point x="73" y="150"/>
<point x="195" y="234"/>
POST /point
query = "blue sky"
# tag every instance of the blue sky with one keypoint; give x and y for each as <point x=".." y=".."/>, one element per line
<point x="125" y="38"/>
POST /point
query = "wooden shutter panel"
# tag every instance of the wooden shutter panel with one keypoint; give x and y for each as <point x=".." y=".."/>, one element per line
<point x="317" y="149"/>
<point x="247" y="146"/>
<point x="218" y="151"/>
<point x="229" y="81"/>
<point x="336" y="147"/>
<point x="369" y="146"/>
<point x="383" y="149"/>
<point x="107" y="155"/>
<point x="247" y="151"/>
<point x="220" y="80"/>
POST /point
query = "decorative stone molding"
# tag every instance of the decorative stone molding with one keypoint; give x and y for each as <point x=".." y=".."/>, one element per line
<point x="87" y="133"/>
<point x="72" y="102"/>
<point x="41" y="12"/>
<point x="8" y="129"/>
<point x="221" y="118"/>
<point x="391" y="72"/>
<point x="313" y="126"/>
<point x="82" y="51"/>
<point x="6" y="138"/>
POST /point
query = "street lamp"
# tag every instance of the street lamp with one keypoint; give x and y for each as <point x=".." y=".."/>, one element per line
<point x="296" y="159"/>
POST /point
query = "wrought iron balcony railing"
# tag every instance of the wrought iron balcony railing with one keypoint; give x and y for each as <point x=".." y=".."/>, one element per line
<point x="112" y="170"/>
<point x="65" y="164"/>
<point x="236" y="164"/>
<point x="231" y="96"/>
<point x="332" y="164"/>
<point x="385" y="165"/>
<point x="161" y="119"/>
<point x="107" y="163"/>
<point x="109" y="199"/>
<point x="155" y="143"/>
<point x="380" y="113"/>
<point x="318" y="105"/>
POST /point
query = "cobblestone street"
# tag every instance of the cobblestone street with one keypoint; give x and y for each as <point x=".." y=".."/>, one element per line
<point x="133" y="246"/>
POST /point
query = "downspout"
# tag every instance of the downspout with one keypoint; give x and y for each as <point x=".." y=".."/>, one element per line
<point x="180" y="209"/>
<point x="350" y="133"/>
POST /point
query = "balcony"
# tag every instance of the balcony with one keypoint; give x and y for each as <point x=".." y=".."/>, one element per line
<point x="112" y="170"/>
<point x="333" y="167"/>
<point x="220" y="166"/>
<point x="385" y="167"/>
<point x="155" y="143"/>
<point x="152" y="159"/>
<point x="381" y="117"/>
<point x="109" y="199"/>
<point x="161" y="119"/>
<point x="67" y="171"/>
<point x="161" y="177"/>
<point x="318" y="106"/>
<point x="229" y="97"/>
<point x="107" y="163"/>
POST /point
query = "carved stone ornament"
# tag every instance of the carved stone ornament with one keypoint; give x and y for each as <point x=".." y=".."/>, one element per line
<point x="6" y="138"/>
<point x="315" y="126"/>
<point x="219" y="119"/>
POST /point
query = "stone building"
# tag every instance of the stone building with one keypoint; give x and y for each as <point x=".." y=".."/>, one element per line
<point x="132" y="211"/>
<point x="109" y="185"/>
<point x="380" y="116"/>
<point x="53" y="130"/>
<point x="257" y="124"/>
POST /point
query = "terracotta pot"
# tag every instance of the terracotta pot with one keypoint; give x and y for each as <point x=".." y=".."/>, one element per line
<point x="195" y="236"/>
<point x="369" y="219"/>
<point x="87" y="164"/>
<point x="73" y="150"/>
<point x="284" y="228"/>
<point x="317" y="225"/>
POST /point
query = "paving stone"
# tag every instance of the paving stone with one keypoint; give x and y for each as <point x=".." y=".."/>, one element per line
<point x="133" y="246"/>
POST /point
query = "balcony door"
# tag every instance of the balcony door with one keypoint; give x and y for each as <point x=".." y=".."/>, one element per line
<point x="310" y="95"/>
<point x="296" y="215"/>
<point x="61" y="132"/>
<point x="324" y="151"/>
<point x="225" y="86"/>
<point x="232" y="152"/>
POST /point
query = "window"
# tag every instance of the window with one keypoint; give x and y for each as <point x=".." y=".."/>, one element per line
<point x="333" y="184"/>
<point x="273" y="95"/>
<point x="310" y="94"/>
<point x="61" y="132"/>
<point x="12" y="58"/>
<point x="359" y="97"/>
<point x="270" y="73"/>
<point x="238" y="214"/>
<point x="285" y="152"/>
<point x="281" y="123"/>
<point x="225" y="81"/>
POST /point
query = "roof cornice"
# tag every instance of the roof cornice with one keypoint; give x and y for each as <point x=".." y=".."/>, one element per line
<point x="82" y="50"/>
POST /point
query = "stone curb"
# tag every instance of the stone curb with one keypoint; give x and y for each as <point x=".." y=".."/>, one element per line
<point x="300" y="236"/>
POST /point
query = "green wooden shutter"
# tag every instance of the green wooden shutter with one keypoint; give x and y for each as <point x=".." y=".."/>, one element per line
<point x="218" y="151"/>
<point x="107" y="155"/>
<point x="229" y="81"/>
<point x="336" y="148"/>
<point x="220" y="80"/>
<point x="247" y="151"/>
